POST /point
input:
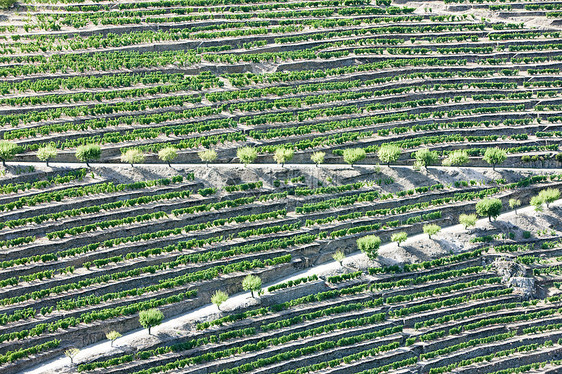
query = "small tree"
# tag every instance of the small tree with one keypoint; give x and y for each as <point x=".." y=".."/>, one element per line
<point x="71" y="353"/>
<point x="431" y="229"/>
<point x="47" y="153"/>
<point x="489" y="207"/>
<point x="208" y="155"/>
<point x="549" y="195"/>
<point x="537" y="202"/>
<point x="88" y="152"/>
<point x="388" y="153"/>
<point x="424" y="157"/>
<point x="318" y="158"/>
<point x="283" y="155"/>
<point x="456" y="158"/>
<point x="113" y="336"/>
<point x="8" y="150"/>
<point x="468" y="220"/>
<point x="247" y="155"/>
<point x="352" y="155"/>
<point x="218" y="298"/>
<point x="495" y="156"/>
<point x="399" y="237"/>
<point x="514" y="204"/>
<point x="168" y="154"/>
<point x="150" y="318"/>
<point x="339" y="256"/>
<point x="252" y="283"/>
<point x="132" y="156"/>
<point x="369" y="245"/>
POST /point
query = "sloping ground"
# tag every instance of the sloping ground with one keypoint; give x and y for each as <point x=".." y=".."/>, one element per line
<point x="82" y="256"/>
<point x="85" y="248"/>
<point x="482" y="309"/>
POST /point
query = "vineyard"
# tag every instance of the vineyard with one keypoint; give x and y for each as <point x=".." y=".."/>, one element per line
<point x="263" y="186"/>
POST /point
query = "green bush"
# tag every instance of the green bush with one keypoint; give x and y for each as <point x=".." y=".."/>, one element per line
<point x="87" y="153"/>
<point x="168" y="154"/>
<point x="431" y="229"/>
<point x="247" y="155"/>
<point x="424" y="157"/>
<point x="8" y="150"/>
<point x="399" y="237"/>
<point x="389" y="153"/>
<point x="252" y="283"/>
<point x="455" y="158"/>
<point x="132" y="156"/>
<point x="489" y="207"/>
<point x="353" y="155"/>
<point x="150" y="318"/>
<point x="369" y="245"/>
<point x="495" y="156"/>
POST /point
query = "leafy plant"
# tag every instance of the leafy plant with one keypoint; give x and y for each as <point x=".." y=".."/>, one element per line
<point x="489" y="207"/>
<point x="424" y="157"/>
<point x="389" y="153"/>
<point x="218" y="298"/>
<point x="495" y="156"/>
<point x="318" y="157"/>
<point x="283" y="155"/>
<point x="208" y="155"/>
<point x="8" y="150"/>
<point x="339" y="256"/>
<point x="455" y="158"/>
<point x="468" y="220"/>
<point x="87" y="153"/>
<point x="47" y="153"/>
<point x="431" y="229"/>
<point x="71" y="353"/>
<point x="132" y="156"/>
<point x="247" y="155"/>
<point x="369" y="245"/>
<point x="168" y="154"/>
<point x="113" y="336"/>
<point x="150" y="318"/>
<point x="399" y="237"/>
<point x="252" y="283"/>
<point x="514" y="204"/>
<point x="352" y="155"/>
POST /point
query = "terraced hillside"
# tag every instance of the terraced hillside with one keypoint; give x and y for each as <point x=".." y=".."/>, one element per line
<point x="276" y="139"/>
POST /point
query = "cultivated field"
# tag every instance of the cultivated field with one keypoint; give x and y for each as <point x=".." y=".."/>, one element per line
<point x="263" y="186"/>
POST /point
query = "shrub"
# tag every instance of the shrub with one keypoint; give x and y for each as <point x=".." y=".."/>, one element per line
<point x="88" y="152"/>
<point x="150" y="318"/>
<point x="283" y="155"/>
<point x="424" y="157"/>
<point x="339" y="256"/>
<point x="208" y="155"/>
<point x="132" y="156"/>
<point x="490" y="208"/>
<point x="8" y="150"/>
<point x="431" y="229"/>
<point x="252" y="283"/>
<point x="388" y="153"/>
<point x="46" y="153"/>
<point x="399" y="237"/>
<point x="247" y="155"/>
<point x="495" y="156"/>
<point x="549" y="195"/>
<point x="71" y="353"/>
<point x="514" y="204"/>
<point x="352" y="155"/>
<point x="218" y="298"/>
<point x="318" y="157"/>
<point x="457" y="157"/>
<point x="369" y="245"/>
<point x="113" y="336"/>
<point x="168" y="154"/>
